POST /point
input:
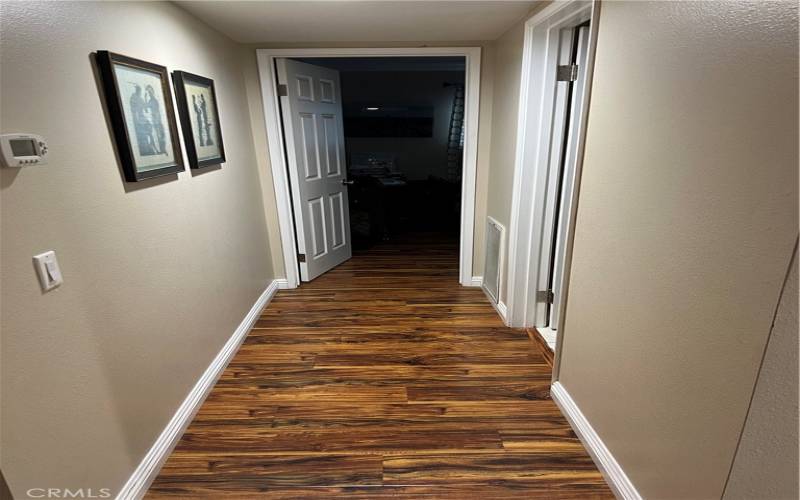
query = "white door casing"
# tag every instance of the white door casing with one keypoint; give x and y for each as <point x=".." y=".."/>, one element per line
<point x="314" y="132"/>
<point x="278" y="161"/>
<point x="532" y="201"/>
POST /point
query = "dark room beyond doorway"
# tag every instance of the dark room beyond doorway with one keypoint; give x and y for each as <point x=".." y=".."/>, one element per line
<point x="403" y="128"/>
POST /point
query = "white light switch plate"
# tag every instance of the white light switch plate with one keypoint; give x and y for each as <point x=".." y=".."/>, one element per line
<point x="48" y="270"/>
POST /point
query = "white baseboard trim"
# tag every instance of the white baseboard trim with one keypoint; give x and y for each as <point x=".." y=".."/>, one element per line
<point x="500" y="307"/>
<point x="502" y="310"/>
<point x="549" y="335"/>
<point x="476" y="281"/>
<point x="151" y="464"/>
<point x="617" y="479"/>
<point x="282" y="283"/>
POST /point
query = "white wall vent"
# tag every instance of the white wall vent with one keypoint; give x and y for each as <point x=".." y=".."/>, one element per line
<point x="493" y="266"/>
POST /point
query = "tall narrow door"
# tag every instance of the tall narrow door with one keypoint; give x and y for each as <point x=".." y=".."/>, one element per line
<point x="311" y="109"/>
<point x="574" y="51"/>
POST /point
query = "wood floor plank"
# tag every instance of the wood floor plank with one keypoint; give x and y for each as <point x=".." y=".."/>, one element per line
<point x="486" y="413"/>
<point x="320" y="393"/>
<point x="428" y="492"/>
<point x="383" y="378"/>
<point x="267" y="376"/>
<point x="494" y="468"/>
<point x="256" y="472"/>
<point x="477" y="390"/>
<point x="394" y="333"/>
<point x="374" y="439"/>
<point x="294" y="351"/>
<point x="412" y="357"/>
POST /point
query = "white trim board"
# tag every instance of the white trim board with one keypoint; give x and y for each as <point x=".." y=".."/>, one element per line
<point x="137" y="485"/>
<point x="529" y="200"/>
<point x="476" y="281"/>
<point x="502" y="310"/>
<point x="501" y="254"/>
<point x="266" y="69"/>
<point x="549" y="335"/>
<point x="499" y="307"/>
<point x="617" y="480"/>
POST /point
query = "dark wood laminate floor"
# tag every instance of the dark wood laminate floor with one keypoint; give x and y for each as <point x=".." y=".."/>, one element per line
<point x="382" y="378"/>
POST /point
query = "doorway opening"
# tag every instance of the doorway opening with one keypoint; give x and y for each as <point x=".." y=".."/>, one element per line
<point x="375" y="145"/>
<point x="572" y="57"/>
<point x="554" y="95"/>
<point x="403" y="124"/>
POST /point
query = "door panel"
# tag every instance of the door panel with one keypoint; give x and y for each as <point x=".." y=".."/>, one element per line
<point x="312" y="121"/>
<point x="337" y="218"/>
<point x="326" y="90"/>
<point x="305" y="88"/>
<point x="331" y="145"/>
<point x="317" y="215"/>
<point x="560" y="120"/>
<point x="308" y="141"/>
<point x="579" y="48"/>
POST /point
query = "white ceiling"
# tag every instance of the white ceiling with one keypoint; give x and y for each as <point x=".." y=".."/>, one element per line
<point x="359" y="21"/>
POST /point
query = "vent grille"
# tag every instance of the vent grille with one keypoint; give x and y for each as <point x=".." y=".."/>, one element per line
<point x="492" y="266"/>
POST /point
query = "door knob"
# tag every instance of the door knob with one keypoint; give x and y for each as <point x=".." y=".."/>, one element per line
<point x="345" y="182"/>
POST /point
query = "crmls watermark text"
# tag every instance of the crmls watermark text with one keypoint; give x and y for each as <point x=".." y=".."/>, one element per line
<point x="69" y="493"/>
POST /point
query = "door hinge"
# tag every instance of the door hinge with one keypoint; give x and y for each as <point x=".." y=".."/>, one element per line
<point x="283" y="90"/>
<point x="545" y="296"/>
<point x="301" y="257"/>
<point x="567" y="73"/>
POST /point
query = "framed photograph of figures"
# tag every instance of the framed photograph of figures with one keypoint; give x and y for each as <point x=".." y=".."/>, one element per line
<point x="142" y="116"/>
<point x="197" y="108"/>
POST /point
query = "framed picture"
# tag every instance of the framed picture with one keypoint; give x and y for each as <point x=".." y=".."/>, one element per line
<point x="143" y="118"/>
<point x="197" y="108"/>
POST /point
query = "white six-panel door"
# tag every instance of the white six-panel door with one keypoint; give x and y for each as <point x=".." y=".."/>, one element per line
<point x="312" y="119"/>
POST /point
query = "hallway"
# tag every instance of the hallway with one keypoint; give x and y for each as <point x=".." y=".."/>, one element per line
<point x="382" y="378"/>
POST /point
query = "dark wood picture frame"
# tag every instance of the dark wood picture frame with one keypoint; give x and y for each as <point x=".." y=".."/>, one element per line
<point x="179" y="80"/>
<point x="114" y="101"/>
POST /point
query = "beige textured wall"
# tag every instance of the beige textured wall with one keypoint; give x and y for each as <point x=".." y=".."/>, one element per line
<point x="685" y="227"/>
<point x="505" y="113"/>
<point x="766" y="462"/>
<point x="259" y="134"/>
<point x="484" y="136"/>
<point x="157" y="275"/>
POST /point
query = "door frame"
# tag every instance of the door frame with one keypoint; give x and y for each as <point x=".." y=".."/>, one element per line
<point x="530" y="198"/>
<point x="275" y="142"/>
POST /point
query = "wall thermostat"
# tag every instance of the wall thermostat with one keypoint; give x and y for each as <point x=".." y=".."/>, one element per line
<point x="21" y="150"/>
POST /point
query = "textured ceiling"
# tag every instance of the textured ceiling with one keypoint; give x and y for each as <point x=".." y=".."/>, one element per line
<point x="368" y="21"/>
